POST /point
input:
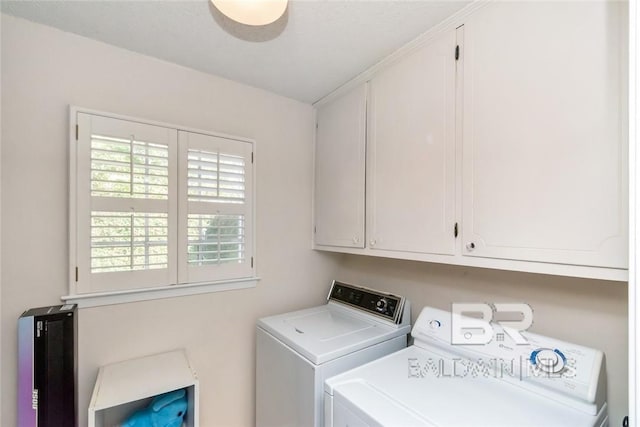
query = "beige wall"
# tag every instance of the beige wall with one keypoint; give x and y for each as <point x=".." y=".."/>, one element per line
<point x="1" y="357"/>
<point x="43" y="71"/>
<point x="588" y="312"/>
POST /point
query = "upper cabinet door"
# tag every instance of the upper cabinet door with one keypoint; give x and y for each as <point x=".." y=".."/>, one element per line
<point x="544" y="151"/>
<point x="340" y="171"/>
<point x="411" y="152"/>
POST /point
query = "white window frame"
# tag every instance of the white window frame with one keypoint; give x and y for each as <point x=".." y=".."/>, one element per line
<point x="180" y="282"/>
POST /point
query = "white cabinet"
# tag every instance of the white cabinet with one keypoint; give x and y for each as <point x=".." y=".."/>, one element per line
<point x="520" y="143"/>
<point x="411" y="152"/>
<point x="544" y="141"/>
<point x="340" y="171"/>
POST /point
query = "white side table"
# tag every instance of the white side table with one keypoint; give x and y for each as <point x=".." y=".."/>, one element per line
<point x="124" y="387"/>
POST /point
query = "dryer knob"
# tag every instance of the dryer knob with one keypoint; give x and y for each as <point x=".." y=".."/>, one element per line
<point x="381" y="305"/>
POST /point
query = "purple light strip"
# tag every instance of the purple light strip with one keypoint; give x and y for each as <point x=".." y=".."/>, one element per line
<point x="27" y="415"/>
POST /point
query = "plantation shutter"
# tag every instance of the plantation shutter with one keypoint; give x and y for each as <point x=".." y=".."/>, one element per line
<point x="216" y="216"/>
<point x="126" y="194"/>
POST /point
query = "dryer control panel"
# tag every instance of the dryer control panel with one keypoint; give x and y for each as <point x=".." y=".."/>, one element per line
<point x="382" y="304"/>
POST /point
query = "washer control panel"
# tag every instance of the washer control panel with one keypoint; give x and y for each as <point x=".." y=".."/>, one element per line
<point x="572" y="371"/>
<point x="379" y="303"/>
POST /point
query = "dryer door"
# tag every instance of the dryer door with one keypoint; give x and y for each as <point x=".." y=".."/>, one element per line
<point x="343" y="417"/>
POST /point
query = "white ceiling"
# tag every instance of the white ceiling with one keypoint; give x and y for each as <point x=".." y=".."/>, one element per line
<point x="313" y="49"/>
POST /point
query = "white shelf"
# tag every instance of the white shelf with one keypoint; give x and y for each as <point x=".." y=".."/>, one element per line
<point x="123" y="387"/>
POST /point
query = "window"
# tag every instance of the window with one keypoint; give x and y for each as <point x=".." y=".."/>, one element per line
<point x="155" y="206"/>
<point x="215" y="181"/>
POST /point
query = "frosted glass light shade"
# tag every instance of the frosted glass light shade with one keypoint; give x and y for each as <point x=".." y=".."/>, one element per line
<point x="252" y="12"/>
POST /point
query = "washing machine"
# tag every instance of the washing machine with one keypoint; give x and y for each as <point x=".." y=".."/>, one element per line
<point x="296" y="352"/>
<point x="545" y="382"/>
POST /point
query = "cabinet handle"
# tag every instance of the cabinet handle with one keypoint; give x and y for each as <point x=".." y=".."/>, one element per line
<point x="372" y="242"/>
<point x="471" y="246"/>
<point x="356" y="239"/>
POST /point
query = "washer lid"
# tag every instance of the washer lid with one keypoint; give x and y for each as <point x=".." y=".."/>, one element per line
<point x="327" y="332"/>
<point x="412" y="388"/>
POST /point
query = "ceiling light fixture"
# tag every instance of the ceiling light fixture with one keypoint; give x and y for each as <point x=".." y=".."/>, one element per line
<point x="252" y="12"/>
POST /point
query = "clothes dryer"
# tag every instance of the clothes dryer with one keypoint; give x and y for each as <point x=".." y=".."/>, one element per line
<point x="437" y="383"/>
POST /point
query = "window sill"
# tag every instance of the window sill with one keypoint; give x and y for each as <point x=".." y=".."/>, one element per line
<point x="134" y="295"/>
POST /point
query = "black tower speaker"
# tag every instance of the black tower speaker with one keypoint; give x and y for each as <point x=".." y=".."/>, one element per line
<point x="47" y="367"/>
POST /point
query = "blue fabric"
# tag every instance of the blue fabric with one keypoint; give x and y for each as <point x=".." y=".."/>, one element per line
<point x="165" y="410"/>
